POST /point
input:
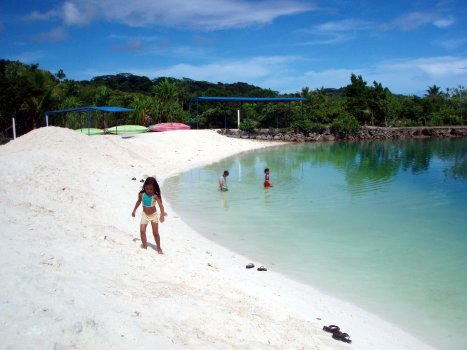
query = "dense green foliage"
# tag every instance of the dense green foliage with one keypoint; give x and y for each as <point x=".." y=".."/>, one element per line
<point x="345" y="123"/>
<point x="248" y="125"/>
<point x="27" y="92"/>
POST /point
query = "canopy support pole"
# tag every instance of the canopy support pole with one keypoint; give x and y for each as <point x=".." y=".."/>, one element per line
<point x="197" y="115"/>
<point x="89" y="122"/>
<point x="301" y="107"/>
<point x="189" y="113"/>
<point x="225" y="116"/>
<point x="14" y="128"/>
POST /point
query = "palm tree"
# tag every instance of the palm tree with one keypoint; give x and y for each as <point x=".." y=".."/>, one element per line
<point x="433" y="92"/>
<point x="141" y="106"/>
<point x="102" y="96"/>
<point x="166" y="94"/>
<point x="42" y="98"/>
<point x="71" y="120"/>
<point x="433" y="102"/>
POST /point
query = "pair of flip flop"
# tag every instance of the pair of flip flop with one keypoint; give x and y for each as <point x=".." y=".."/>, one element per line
<point x="337" y="334"/>
<point x="251" y="265"/>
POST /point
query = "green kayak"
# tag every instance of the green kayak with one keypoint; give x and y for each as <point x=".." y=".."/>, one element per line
<point x="91" y="131"/>
<point x="127" y="129"/>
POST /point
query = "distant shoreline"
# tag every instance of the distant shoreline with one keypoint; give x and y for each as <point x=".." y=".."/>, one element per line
<point x="366" y="133"/>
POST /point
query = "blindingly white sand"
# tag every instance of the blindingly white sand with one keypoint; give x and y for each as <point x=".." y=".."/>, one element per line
<point x="74" y="276"/>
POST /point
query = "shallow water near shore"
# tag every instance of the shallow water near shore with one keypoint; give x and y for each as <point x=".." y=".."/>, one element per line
<point x="380" y="224"/>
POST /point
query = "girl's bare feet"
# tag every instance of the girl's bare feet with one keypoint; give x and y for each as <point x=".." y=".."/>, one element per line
<point x="159" y="250"/>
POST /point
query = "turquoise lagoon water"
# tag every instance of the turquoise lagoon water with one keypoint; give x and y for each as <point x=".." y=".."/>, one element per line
<point x="380" y="224"/>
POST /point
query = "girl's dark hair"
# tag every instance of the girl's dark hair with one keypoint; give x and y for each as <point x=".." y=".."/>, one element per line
<point x="152" y="181"/>
<point x="267" y="169"/>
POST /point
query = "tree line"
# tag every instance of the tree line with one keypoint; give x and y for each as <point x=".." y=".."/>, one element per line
<point x="27" y="92"/>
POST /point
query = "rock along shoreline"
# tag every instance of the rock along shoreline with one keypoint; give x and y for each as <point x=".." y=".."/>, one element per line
<point x="366" y="133"/>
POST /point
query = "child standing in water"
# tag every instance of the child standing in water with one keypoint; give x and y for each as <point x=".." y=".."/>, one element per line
<point x="223" y="181"/>
<point x="150" y="195"/>
<point x="266" y="178"/>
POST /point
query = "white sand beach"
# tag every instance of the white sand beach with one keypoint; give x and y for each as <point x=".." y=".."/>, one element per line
<point x="74" y="275"/>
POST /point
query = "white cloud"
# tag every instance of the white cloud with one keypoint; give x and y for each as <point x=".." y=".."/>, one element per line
<point x="332" y="39"/>
<point x="215" y="72"/>
<point x="334" y="78"/>
<point x="54" y="35"/>
<point x="292" y="82"/>
<point x="342" y="26"/>
<point x="452" y="43"/>
<point x="414" y="20"/>
<point x="203" y="40"/>
<point x="69" y="12"/>
<point x="412" y="75"/>
<point x="28" y="57"/>
<point x="135" y="44"/>
<point x="336" y="32"/>
<point x="405" y="76"/>
<point x="432" y="67"/>
<point x="80" y="13"/>
<point x="37" y="16"/>
<point x="444" y="22"/>
<point x="250" y="70"/>
<point x="201" y="14"/>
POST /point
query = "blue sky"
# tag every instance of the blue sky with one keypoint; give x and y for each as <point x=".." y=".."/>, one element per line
<point x="283" y="45"/>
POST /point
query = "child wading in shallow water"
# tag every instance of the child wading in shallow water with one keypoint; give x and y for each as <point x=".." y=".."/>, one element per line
<point x="149" y="195"/>
<point x="266" y="178"/>
<point x="223" y="181"/>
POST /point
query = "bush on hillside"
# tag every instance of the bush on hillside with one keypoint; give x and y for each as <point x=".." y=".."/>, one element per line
<point x="248" y="125"/>
<point x="345" y="124"/>
<point x="306" y="126"/>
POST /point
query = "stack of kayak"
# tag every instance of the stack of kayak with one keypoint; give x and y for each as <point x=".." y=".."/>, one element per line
<point x="116" y="130"/>
<point x="134" y="129"/>
<point x="91" y="131"/>
<point x="127" y="129"/>
<point x="169" y="127"/>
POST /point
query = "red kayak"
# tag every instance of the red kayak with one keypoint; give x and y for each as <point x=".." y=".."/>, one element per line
<point x="169" y="127"/>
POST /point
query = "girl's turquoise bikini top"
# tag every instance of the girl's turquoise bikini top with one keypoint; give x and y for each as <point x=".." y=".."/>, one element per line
<point x="149" y="201"/>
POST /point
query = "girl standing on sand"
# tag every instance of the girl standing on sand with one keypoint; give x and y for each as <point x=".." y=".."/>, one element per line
<point x="150" y="195"/>
<point x="266" y="178"/>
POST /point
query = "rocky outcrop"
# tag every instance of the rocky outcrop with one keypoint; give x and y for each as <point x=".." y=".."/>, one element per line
<point x="366" y="133"/>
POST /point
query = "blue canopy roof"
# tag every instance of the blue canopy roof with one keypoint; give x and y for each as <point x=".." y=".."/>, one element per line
<point x="110" y="109"/>
<point x="88" y="110"/>
<point x="249" y="99"/>
<point x="241" y="99"/>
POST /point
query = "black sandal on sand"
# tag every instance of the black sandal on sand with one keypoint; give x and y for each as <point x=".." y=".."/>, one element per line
<point x="262" y="268"/>
<point x="342" y="337"/>
<point x="331" y="328"/>
<point x="250" y="266"/>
